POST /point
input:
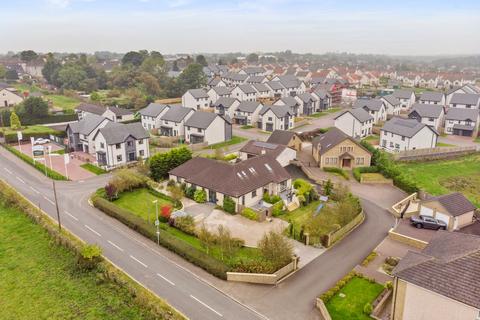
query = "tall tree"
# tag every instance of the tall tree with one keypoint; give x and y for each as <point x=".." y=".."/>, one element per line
<point x="33" y="107"/>
<point x="15" y="121"/>
<point x="50" y="68"/>
<point x="11" y="74"/>
<point x="200" y="59"/>
<point x="133" y="57"/>
<point x="28" y="55"/>
<point x="71" y="76"/>
<point x="252" y="58"/>
<point x="192" y="77"/>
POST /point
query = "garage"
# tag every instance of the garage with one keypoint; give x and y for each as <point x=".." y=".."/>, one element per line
<point x="424" y="211"/>
<point x="443" y="217"/>
<point x="462" y="130"/>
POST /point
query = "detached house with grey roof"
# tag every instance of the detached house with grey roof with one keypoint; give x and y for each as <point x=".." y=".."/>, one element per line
<point x="81" y="134"/>
<point x="462" y="122"/>
<point x="262" y="90"/>
<point x="406" y="98"/>
<point x="468" y="88"/>
<point x="291" y="103"/>
<point x="356" y="123"/>
<point x="119" y="144"/>
<point x="150" y="116"/>
<point x="226" y="106"/>
<point x="277" y="90"/>
<point x="400" y="134"/>
<point x="275" y="118"/>
<point x="375" y="107"/>
<point x="430" y="97"/>
<point x="308" y="104"/>
<point x="216" y="93"/>
<point x="244" y="92"/>
<point x="393" y="106"/>
<point x="256" y="79"/>
<point x="114" y="114"/>
<point x="247" y="113"/>
<point x="324" y="99"/>
<point x="172" y="122"/>
<point x="429" y="114"/>
<point x="465" y="100"/>
<point x="207" y="127"/>
<point x="196" y="99"/>
<point x="253" y="71"/>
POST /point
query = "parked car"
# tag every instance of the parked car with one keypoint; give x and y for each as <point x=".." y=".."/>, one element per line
<point x="41" y="141"/>
<point x="427" y="223"/>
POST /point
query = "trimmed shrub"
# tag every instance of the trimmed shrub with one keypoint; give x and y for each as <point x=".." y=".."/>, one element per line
<point x="338" y="171"/>
<point x="277" y="208"/>
<point x="257" y="266"/>
<point x="200" y="196"/>
<point x="186" y="224"/>
<point x="89" y="257"/>
<point x="228" y="205"/>
<point x="326" y="296"/>
<point x="357" y="172"/>
<point x="178" y="246"/>
<point x="367" y="309"/>
<point x="271" y="198"/>
<point x="250" y="214"/>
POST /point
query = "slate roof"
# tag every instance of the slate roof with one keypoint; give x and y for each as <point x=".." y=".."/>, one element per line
<point x="391" y="99"/>
<point x="448" y="266"/>
<point x="257" y="147"/>
<point x="431" y="96"/>
<point x="288" y="101"/>
<point x="118" y="132"/>
<point x="455" y="203"/>
<point x="201" y="119"/>
<point x="330" y="139"/>
<point x="427" y="110"/>
<point x="306" y="97"/>
<point x="253" y="70"/>
<point x="281" y="137"/>
<point x="248" y="106"/>
<point x="176" y="113"/>
<point x="275" y="85"/>
<point x="198" y="93"/>
<point x="358" y="113"/>
<point x="236" y="76"/>
<point x="225" y="101"/>
<point x="405" y="127"/>
<point x="402" y="94"/>
<point x="321" y="93"/>
<point x="232" y="179"/>
<point x="462" y="114"/>
<point x="85" y="126"/>
<point x="260" y="87"/>
<point x="279" y="111"/>
<point x="91" y="108"/>
<point x="153" y="109"/>
<point x="255" y="79"/>
<point x="247" y="88"/>
<point x="465" y="98"/>
<point x="370" y="104"/>
<point x="120" y="111"/>
<point x="221" y="90"/>
<point x="214" y="82"/>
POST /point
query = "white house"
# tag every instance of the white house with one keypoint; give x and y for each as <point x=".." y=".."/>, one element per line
<point x="462" y="122"/>
<point x="293" y="105"/>
<point x="196" y="99"/>
<point x="9" y="97"/>
<point x="375" y="107"/>
<point x="356" y="123"/>
<point x="216" y="93"/>
<point x="262" y="90"/>
<point x="277" y="90"/>
<point x="468" y="88"/>
<point x="406" y="98"/>
<point x="308" y="104"/>
<point x="216" y="82"/>
<point x="292" y="85"/>
<point x="81" y="134"/>
<point x="234" y="79"/>
<point x="256" y="79"/>
<point x="429" y="114"/>
<point x="114" y="114"/>
<point x="150" y="116"/>
<point x="119" y="144"/>
<point x="431" y="97"/>
<point x="465" y="100"/>
<point x="323" y="98"/>
<point x="207" y="127"/>
<point x="244" y="92"/>
<point x="172" y="122"/>
<point x="253" y="71"/>
<point x="400" y="134"/>
<point x="247" y="113"/>
<point x="282" y="153"/>
<point x="226" y="106"/>
<point x="275" y="118"/>
<point x="393" y="106"/>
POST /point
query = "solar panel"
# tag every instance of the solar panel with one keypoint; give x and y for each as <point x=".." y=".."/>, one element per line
<point x="265" y="145"/>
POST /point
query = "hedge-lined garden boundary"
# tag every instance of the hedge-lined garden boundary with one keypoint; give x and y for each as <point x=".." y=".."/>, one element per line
<point x="142" y="296"/>
<point x="37" y="165"/>
<point x="357" y="172"/>
<point x="11" y="137"/>
<point x="182" y="248"/>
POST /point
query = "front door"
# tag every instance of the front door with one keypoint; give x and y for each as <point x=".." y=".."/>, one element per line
<point x="346" y="163"/>
<point x="269" y="127"/>
<point x="212" y="196"/>
<point x="131" y="156"/>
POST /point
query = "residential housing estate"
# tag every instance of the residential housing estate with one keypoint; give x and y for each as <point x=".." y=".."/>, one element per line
<point x="400" y="134"/>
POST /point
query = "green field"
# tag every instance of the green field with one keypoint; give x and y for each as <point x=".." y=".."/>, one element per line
<point x="63" y="102"/>
<point x="445" y="176"/>
<point x="234" y="140"/>
<point x="358" y="292"/>
<point x="442" y="144"/>
<point x="93" y="168"/>
<point x="26" y="87"/>
<point x="30" y="130"/>
<point x="38" y="279"/>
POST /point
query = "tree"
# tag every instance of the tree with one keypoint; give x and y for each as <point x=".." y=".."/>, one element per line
<point x="228" y="204"/>
<point x="192" y="77"/>
<point x="94" y="96"/>
<point x="50" y="68"/>
<point x="3" y="71"/>
<point x="15" y="121"/>
<point x="161" y="163"/>
<point x="328" y="187"/>
<point x="111" y="191"/>
<point x="176" y="193"/>
<point x="252" y="58"/>
<point x="200" y="196"/>
<point x="149" y="83"/>
<point x="276" y="249"/>
<point x="11" y="74"/>
<point x="70" y="76"/>
<point x="200" y="59"/>
<point x="227" y="244"/>
<point x="28" y="55"/>
<point x="32" y="108"/>
<point x="133" y="57"/>
<point x="207" y="239"/>
<point x="233" y="61"/>
<point x="89" y="257"/>
<point x="166" y="211"/>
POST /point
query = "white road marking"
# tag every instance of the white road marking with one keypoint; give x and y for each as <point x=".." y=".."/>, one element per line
<point x="34" y="190"/>
<point x="98" y="234"/>
<point x="71" y="216"/>
<point x="8" y="170"/>
<point x="113" y="244"/>
<point x="143" y="264"/>
<point x="158" y="274"/>
<point x="206" y="305"/>
<point x="53" y="203"/>
<point x="19" y="179"/>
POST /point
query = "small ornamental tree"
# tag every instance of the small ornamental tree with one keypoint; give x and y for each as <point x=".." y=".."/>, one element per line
<point x="228" y="204"/>
<point x="328" y="187"/>
<point x="207" y="239"/>
<point x="200" y="196"/>
<point x="15" y="121"/>
<point x="111" y="191"/>
<point x="166" y="211"/>
<point x="89" y="257"/>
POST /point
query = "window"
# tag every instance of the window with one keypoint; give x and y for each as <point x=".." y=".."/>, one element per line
<point x="397" y="146"/>
<point x="468" y="106"/>
<point x="140" y="141"/>
<point x="102" y="145"/>
<point x="403" y="138"/>
<point x="254" y="193"/>
<point x="391" y="144"/>
<point x="129" y="143"/>
<point x="119" y="158"/>
<point x="118" y="146"/>
<point x="327" y="160"/>
<point x="431" y="119"/>
<point x="141" y="153"/>
<point x="199" y="130"/>
<point x="269" y="118"/>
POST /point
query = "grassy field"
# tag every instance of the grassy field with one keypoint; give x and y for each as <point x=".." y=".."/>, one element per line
<point x="30" y="130"/>
<point x="38" y="279"/>
<point x="445" y="176"/>
<point x="357" y="293"/>
<point x="63" y="102"/>
<point x="234" y="140"/>
<point x="93" y="168"/>
<point x="140" y="202"/>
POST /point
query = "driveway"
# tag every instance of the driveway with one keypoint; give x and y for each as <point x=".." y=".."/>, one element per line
<point x="458" y="141"/>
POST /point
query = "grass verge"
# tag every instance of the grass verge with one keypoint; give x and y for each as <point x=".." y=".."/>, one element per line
<point x="93" y="168"/>
<point x="234" y="140"/>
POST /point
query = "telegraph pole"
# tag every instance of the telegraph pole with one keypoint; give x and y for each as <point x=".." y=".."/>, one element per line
<point x="56" y="206"/>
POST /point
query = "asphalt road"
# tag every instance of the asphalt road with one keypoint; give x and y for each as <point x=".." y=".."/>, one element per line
<point x="132" y="253"/>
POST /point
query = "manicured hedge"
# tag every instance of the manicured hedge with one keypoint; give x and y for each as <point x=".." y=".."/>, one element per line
<point x="168" y="241"/>
<point x="338" y="171"/>
<point x="37" y="165"/>
<point x="228" y="205"/>
<point x="133" y="120"/>
<point x="250" y="214"/>
<point x="50" y="119"/>
<point x="12" y="137"/>
<point x="357" y="172"/>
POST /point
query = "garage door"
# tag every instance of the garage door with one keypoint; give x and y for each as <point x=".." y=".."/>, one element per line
<point x="424" y="211"/>
<point x="442" y="217"/>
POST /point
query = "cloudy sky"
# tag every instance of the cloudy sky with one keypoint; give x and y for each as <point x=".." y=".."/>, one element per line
<point x="404" y="27"/>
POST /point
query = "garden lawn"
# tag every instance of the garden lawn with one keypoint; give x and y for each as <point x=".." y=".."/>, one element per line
<point x="31" y="130"/>
<point x="38" y="279"/>
<point x="443" y="144"/>
<point x="63" y="102"/>
<point x="372" y="138"/>
<point x="358" y="292"/>
<point x="234" y="140"/>
<point x="373" y="177"/>
<point x="93" y="168"/>
<point x="140" y="203"/>
<point x="324" y="113"/>
<point x="444" y="176"/>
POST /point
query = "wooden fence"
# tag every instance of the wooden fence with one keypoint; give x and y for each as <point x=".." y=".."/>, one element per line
<point x="434" y="153"/>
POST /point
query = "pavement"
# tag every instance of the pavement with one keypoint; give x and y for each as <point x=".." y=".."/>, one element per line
<point x="188" y="288"/>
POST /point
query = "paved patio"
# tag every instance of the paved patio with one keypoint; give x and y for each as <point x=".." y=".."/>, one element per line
<point x="403" y="227"/>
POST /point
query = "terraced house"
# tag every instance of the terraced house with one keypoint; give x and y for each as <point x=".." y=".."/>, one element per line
<point x="356" y="123"/>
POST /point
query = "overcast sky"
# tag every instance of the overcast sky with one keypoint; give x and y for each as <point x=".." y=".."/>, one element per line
<point x="403" y="27"/>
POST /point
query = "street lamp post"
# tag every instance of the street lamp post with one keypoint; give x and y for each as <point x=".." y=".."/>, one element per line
<point x="157" y="222"/>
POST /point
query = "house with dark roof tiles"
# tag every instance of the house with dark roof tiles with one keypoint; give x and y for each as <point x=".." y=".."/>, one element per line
<point x="196" y="99"/>
<point x="207" y="127"/>
<point x="356" y="123"/>
<point x="399" y="134"/>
